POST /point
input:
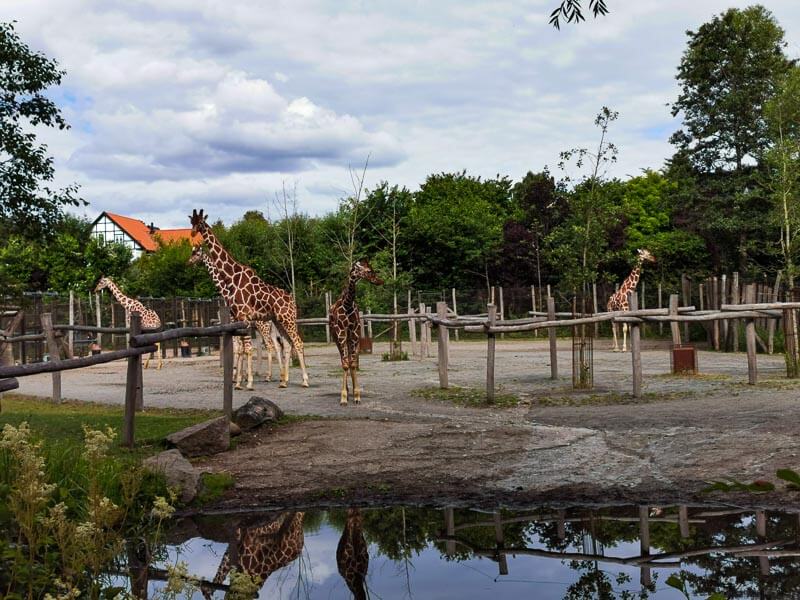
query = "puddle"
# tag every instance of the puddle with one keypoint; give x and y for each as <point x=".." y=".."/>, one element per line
<point x="541" y="553"/>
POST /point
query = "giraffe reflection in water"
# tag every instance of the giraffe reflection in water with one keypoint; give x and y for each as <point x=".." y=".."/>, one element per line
<point x="261" y="549"/>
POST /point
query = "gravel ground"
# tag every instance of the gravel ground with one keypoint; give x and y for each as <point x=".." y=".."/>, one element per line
<point x="555" y="445"/>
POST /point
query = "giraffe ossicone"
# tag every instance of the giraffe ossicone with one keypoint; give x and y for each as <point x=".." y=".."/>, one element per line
<point x="619" y="299"/>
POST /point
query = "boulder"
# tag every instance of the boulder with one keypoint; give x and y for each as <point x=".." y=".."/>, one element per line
<point x="208" y="437"/>
<point x="235" y="429"/>
<point x="255" y="412"/>
<point x="179" y="473"/>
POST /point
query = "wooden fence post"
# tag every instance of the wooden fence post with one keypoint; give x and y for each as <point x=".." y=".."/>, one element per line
<point x="790" y="343"/>
<point x="131" y="385"/>
<point x="660" y="305"/>
<point x="412" y="331"/>
<point x="99" y="317"/>
<point x="227" y="363"/>
<point x="455" y="311"/>
<point x="636" y="349"/>
<point x="551" y="334"/>
<point x="735" y="299"/>
<point x="714" y="305"/>
<point x="71" y="334"/>
<point x="723" y="299"/>
<point x="594" y="307"/>
<point x="327" y="317"/>
<point x="502" y="310"/>
<point x="750" y="334"/>
<point x="673" y="325"/>
<point x="369" y="323"/>
<point x="491" y="309"/>
<point x="686" y="290"/>
<point x="442" y="355"/>
<point x="54" y="352"/>
<point x="773" y="322"/>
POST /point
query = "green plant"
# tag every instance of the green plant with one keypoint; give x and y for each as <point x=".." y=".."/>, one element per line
<point x="396" y="356"/>
<point x="213" y="486"/>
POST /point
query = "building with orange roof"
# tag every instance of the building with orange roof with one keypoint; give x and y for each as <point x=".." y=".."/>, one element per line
<point x="137" y="235"/>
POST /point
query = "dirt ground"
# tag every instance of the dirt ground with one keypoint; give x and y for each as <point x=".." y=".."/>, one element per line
<point x="555" y="445"/>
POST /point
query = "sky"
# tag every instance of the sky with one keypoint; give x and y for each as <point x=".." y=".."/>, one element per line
<point x="182" y="104"/>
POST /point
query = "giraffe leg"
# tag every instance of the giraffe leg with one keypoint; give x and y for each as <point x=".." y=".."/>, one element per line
<point x="615" y="347"/>
<point x="343" y="393"/>
<point x="269" y="364"/>
<point x="297" y="343"/>
<point x="237" y="367"/>
<point x="624" y="337"/>
<point x="158" y="353"/>
<point x="250" y="370"/>
<point x="356" y="390"/>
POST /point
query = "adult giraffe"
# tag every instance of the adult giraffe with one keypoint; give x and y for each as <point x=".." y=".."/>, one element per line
<point x="243" y="348"/>
<point x="150" y="319"/>
<point x="250" y="298"/>
<point x="619" y="299"/>
<point x="346" y="325"/>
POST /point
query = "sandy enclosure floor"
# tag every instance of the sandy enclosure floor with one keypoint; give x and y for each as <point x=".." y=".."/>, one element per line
<point x="556" y="445"/>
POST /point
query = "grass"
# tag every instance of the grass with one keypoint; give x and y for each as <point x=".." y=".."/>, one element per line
<point x="609" y="398"/>
<point x="214" y="486"/>
<point x="466" y="397"/>
<point x="62" y="424"/>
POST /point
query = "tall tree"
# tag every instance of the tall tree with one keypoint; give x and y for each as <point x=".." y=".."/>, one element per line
<point x="729" y="71"/>
<point x="28" y="203"/>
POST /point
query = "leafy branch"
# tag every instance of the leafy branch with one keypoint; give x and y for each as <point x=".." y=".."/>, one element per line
<point x="571" y="11"/>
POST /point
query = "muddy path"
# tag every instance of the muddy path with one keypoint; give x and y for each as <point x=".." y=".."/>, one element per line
<point x="553" y="445"/>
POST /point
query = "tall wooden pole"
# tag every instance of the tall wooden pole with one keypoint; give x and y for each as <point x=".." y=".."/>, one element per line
<point x="551" y="334"/>
<point x="442" y="354"/>
<point x="636" y="349"/>
<point x="71" y="334"/>
<point x="54" y="352"/>
<point x="131" y="385"/>
<point x="227" y="364"/>
<point x="455" y="310"/>
<point x="750" y="334"/>
<point x="491" y="309"/>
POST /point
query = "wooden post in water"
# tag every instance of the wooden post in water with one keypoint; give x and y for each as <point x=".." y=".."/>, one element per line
<point x="492" y="319"/>
<point x="442" y="354"/>
<point x="636" y="349"/>
<point x="54" y="352"/>
<point x="750" y="334"/>
<point x="132" y="384"/>
<point x="227" y="363"/>
<point x="761" y="532"/>
<point x="645" y="576"/>
<point x="499" y="538"/>
<point x="551" y="334"/>
<point x="683" y="520"/>
<point x="450" y="529"/>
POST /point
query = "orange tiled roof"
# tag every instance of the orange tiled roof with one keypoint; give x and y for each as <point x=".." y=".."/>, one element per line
<point x="140" y="232"/>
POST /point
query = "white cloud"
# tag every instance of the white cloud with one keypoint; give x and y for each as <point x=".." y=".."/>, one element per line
<point x="177" y="104"/>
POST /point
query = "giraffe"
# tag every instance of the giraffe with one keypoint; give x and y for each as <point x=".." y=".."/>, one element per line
<point x="346" y="324"/>
<point x="251" y="298"/>
<point x="242" y="345"/>
<point x="260" y="550"/>
<point x="150" y="319"/>
<point x="352" y="556"/>
<point x="619" y="299"/>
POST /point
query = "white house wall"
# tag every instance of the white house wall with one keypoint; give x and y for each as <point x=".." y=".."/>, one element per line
<point x="108" y="231"/>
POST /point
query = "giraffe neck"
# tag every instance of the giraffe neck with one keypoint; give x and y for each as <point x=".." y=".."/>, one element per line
<point x="217" y="253"/>
<point x="632" y="280"/>
<point x="216" y="276"/>
<point x="348" y="296"/>
<point x="117" y="293"/>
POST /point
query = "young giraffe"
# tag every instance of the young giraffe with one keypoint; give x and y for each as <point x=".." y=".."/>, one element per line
<point x="242" y="345"/>
<point x="619" y="299"/>
<point x="150" y="319"/>
<point x="345" y="325"/>
<point x="262" y="549"/>
<point x="251" y="298"/>
<point x="352" y="556"/>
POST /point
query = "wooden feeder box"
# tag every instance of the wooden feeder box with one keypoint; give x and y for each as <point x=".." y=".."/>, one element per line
<point x="365" y="345"/>
<point x="683" y="359"/>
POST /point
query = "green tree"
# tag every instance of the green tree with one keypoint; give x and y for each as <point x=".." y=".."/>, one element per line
<point x="456" y="229"/>
<point x="167" y="272"/>
<point x="729" y="71"/>
<point x="782" y="165"/>
<point x="28" y="205"/>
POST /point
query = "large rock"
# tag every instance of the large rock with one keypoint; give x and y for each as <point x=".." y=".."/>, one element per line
<point x="255" y="412"/>
<point x="179" y="473"/>
<point x="208" y="437"/>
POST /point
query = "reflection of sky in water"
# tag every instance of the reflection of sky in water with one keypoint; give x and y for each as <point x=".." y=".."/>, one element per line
<point x="429" y="575"/>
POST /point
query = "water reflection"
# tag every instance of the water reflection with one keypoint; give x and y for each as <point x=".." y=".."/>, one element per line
<point x="622" y="552"/>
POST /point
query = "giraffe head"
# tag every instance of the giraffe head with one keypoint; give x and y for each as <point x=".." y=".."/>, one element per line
<point x="645" y="256"/>
<point x="101" y="283"/>
<point x="198" y="220"/>
<point x="198" y="252"/>
<point x="362" y="270"/>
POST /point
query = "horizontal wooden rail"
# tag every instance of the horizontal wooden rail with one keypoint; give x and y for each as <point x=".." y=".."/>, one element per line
<point x="28" y="337"/>
<point x="91" y="328"/>
<point x="6" y="385"/>
<point x="143" y="339"/>
<point x="72" y="363"/>
<point x="713" y="316"/>
<point x="763" y="306"/>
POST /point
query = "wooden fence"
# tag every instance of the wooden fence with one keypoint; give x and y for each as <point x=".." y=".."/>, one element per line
<point x="139" y="343"/>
